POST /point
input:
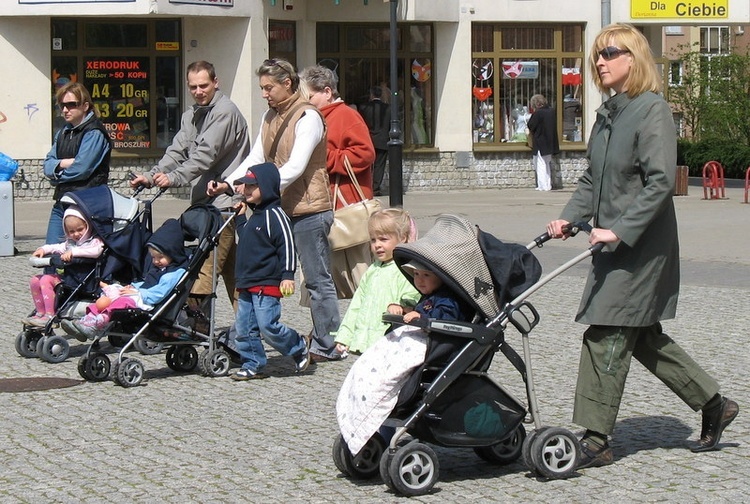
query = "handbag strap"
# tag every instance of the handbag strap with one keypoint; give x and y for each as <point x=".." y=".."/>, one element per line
<point x="355" y="182"/>
<point x="284" y="124"/>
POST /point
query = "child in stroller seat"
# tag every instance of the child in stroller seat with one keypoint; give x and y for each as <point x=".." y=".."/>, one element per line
<point x="166" y="248"/>
<point x="370" y="391"/>
<point x="80" y="243"/>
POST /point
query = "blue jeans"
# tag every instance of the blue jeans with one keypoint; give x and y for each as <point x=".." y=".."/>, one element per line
<point x="55" y="231"/>
<point x="258" y="314"/>
<point x="311" y="237"/>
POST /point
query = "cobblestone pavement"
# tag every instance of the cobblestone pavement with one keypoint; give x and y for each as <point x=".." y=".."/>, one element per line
<point x="186" y="438"/>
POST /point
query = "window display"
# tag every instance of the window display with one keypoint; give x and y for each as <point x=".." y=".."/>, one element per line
<point x="510" y="64"/>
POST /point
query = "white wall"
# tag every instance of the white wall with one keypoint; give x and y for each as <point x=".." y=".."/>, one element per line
<point x="25" y="99"/>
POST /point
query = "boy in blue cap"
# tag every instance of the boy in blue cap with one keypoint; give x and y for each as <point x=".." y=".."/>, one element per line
<point x="264" y="272"/>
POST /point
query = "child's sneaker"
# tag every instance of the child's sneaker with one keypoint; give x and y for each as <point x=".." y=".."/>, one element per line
<point x="248" y="374"/>
<point x="38" y="320"/>
<point x="85" y="331"/>
<point x="69" y="326"/>
<point x="302" y="361"/>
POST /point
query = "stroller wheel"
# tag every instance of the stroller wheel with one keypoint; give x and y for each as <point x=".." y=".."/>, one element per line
<point x="506" y="451"/>
<point x="147" y="347"/>
<point x="385" y="462"/>
<point x="95" y="367"/>
<point x="129" y="372"/>
<point x="366" y="464"/>
<point x="53" y="349"/>
<point x="26" y="342"/>
<point x="526" y="448"/>
<point x="555" y="453"/>
<point x="182" y="358"/>
<point x="414" y="469"/>
<point x="214" y="363"/>
<point x="339" y="451"/>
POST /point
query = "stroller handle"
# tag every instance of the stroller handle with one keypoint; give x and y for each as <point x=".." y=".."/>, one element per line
<point x="570" y="229"/>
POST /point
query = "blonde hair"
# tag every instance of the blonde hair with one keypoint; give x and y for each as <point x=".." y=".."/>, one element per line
<point x="643" y="75"/>
<point x="392" y="221"/>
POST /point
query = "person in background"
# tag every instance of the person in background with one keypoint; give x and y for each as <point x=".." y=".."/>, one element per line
<point x="347" y="137"/>
<point x="377" y="116"/>
<point x="634" y="281"/>
<point x="293" y="136"/>
<point x="212" y="142"/>
<point x="80" y="153"/>
<point x="543" y="129"/>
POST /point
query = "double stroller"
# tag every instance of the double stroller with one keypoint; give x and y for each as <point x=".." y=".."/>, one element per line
<point x="123" y="224"/>
<point x="171" y="323"/>
<point x="450" y="400"/>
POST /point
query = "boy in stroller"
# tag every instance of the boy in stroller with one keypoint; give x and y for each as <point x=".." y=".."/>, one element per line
<point x="81" y="243"/>
<point x="167" y="265"/>
<point x="370" y="390"/>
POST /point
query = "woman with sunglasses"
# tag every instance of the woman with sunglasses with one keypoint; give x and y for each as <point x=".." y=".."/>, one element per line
<point x="80" y="153"/>
<point x="634" y="282"/>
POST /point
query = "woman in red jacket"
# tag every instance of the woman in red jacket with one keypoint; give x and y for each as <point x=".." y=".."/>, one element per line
<point x="348" y="136"/>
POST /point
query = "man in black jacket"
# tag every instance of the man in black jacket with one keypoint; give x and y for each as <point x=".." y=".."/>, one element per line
<point x="377" y="115"/>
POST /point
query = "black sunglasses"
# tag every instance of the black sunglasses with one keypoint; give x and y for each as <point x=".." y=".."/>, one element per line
<point x="69" y="105"/>
<point x="610" y="53"/>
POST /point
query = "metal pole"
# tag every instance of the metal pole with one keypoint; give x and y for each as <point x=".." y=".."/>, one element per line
<point x="395" y="144"/>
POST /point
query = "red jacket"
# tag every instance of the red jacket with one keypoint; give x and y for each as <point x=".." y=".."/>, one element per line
<point x="348" y="135"/>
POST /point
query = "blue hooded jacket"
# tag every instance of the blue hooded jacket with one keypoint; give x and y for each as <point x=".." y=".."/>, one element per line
<point x="265" y="253"/>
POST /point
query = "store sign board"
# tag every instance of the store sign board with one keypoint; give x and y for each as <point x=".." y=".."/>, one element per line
<point x="222" y="3"/>
<point x="120" y="90"/>
<point x="679" y="9"/>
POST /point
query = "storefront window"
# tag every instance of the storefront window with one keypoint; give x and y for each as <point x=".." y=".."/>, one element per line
<point x="133" y="71"/>
<point x="543" y="60"/>
<point x="360" y="55"/>
<point x="282" y="40"/>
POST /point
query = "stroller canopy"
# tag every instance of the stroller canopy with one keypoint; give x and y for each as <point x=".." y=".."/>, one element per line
<point x="484" y="271"/>
<point x="114" y="218"/>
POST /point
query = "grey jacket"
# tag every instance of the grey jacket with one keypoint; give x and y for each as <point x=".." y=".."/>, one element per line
<point x="628" y="189"/>
<point x="213" y="140"/>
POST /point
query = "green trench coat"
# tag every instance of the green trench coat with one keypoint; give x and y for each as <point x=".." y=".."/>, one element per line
<point x="628" y="189"/>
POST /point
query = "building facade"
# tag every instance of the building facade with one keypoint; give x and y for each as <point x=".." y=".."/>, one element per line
<point x="465" y="72"/>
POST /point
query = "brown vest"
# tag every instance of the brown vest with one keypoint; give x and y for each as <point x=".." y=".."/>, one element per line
<point x="310" y="193"/>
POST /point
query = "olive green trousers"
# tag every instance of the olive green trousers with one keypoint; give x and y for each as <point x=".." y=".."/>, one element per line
<point x="606" y="352"/>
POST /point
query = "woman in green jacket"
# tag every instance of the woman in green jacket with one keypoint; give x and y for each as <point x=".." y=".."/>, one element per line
<point x="634" y="282"/>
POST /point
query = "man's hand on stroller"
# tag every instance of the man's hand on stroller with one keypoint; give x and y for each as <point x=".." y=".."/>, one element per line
<point x="139" y="180"/>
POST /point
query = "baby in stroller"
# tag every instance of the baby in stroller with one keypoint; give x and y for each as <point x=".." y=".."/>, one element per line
<point x="81" y="243"/>
<point x="370" y="390"/>
<point x="164" y="270"/>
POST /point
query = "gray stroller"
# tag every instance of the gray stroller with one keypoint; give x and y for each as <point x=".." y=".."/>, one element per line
<point x="451" y="400"/>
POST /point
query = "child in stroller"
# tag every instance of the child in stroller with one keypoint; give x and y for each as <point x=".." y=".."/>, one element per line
<point x="166" y="267"/>
<point x="449" y="399"/>
<point x="120" y="223"/>
<point x="81" y="243"/>
<point x="370" y="390"/>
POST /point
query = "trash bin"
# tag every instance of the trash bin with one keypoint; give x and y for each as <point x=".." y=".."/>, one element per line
<point x="681" y="181"/>
<point x="7" y="223"/>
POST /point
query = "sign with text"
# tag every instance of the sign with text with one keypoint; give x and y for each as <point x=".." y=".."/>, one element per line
<point x="120" y="90"/>
<point x="679" y="9"/>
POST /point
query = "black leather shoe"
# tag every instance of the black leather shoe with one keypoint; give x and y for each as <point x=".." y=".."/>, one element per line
<point x="595" y="456"/>
<point x="714" y="423"/>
